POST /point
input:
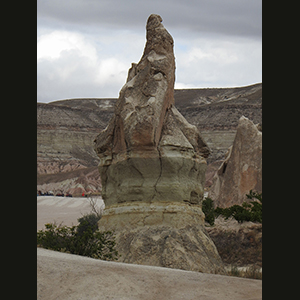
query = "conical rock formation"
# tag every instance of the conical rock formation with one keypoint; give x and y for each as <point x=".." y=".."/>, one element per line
<point x="152" y="166"/>
<point x="241" y="171"/>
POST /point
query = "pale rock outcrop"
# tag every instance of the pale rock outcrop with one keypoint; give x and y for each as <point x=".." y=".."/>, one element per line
<point x="152" y="166"/>
<point x="241" y="171"/>
<point x="68" y="276"/>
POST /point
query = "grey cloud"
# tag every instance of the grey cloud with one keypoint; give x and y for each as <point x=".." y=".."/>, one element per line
<point x="74" y="76"/>
<point x="230" y="17"/>
<point x="205" y="31"/>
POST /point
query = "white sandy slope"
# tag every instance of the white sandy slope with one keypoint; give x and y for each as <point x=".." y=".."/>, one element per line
<point x="68" y="276"/>
<point x="62" y="209"/>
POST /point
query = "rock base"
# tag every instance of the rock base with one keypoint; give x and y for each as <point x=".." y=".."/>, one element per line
<point x="162" y="234"/>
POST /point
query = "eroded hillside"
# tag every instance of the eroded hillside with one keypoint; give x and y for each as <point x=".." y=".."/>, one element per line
<point x="66" y="128"/>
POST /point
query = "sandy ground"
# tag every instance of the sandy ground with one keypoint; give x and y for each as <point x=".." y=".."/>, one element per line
<point x="62" y="209"/>
<point x="68" y="276"/>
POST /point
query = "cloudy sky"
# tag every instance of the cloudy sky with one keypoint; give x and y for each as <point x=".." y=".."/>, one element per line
<point x="85" y="47"/>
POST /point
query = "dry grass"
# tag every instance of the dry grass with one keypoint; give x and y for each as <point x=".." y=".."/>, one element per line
<point x="253" y="272"/>
<point x="238" y="244"/>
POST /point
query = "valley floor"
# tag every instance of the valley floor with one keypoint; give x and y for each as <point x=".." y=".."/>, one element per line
<point x="239" y="245"/>
<point x="62" y="209"/>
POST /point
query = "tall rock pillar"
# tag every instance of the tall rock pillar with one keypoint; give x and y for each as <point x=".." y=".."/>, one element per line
<point x="152" y="166"/>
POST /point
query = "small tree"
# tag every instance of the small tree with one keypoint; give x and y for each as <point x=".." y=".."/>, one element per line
<point x="89" y="221"/>
<point x="208" y="210"/>
<point x="95" y="209"/>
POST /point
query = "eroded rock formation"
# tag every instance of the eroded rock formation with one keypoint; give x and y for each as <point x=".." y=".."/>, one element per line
<point x="152" y="166"/>
<point x="241" y="171"/>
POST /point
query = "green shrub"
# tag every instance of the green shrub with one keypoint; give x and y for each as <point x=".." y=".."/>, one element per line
<point x="256" y="208"/>
<point x="241" y="213"/>
<point x="84" y="239"/>
<point x="208" y="210"/>
<point x="255" y="195"/>
<point x="246" y="212"/>
<point x="89" y="221"/>
<point x="226" y="212"/>
<point x="55" y="237"/>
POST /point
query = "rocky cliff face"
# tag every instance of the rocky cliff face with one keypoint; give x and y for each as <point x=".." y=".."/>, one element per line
<point x="152" y="167"/>
<point x="76" y="182"/>
<point x="214" y="111"/>
<point x="241" y="171"/>
<point x="64" y="145"/>
<point x="66" y="129"/>
<point x="64" y="137"/>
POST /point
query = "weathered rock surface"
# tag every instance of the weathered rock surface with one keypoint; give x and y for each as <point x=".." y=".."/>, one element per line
<point x="152" y="166"/>
<point x="168" y="234"/>
<point x="67" y="276"/>
<point x="65" y="154"/>
<point x="241" y="171"/>
<point x="64" y="138"/>
<point x="238" y="244"/>
<point x="76" y="182"/>
<point x="66" y="128"/>
<point x="149" y="152"/>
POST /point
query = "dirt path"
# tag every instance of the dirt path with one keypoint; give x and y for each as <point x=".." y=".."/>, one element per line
<point x="67" y="276"/>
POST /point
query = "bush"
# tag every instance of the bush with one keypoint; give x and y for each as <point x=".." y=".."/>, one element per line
<point x="226" y="212"/>
<point x="246" y="212"/>
<point x="208" y="210"/>
<point x="242" y="213"/>
<point x="55" y="237"/>
<point x="256" y="208"/>
<point x="84" y="239"/>
<point x="86" y="222"/>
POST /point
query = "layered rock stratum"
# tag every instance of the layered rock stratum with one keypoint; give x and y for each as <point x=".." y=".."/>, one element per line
<point x="152" y="167"/>
<point x="66" y="130"/>
<point x="66" y="161"/>
<point x="64" y="138"/>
